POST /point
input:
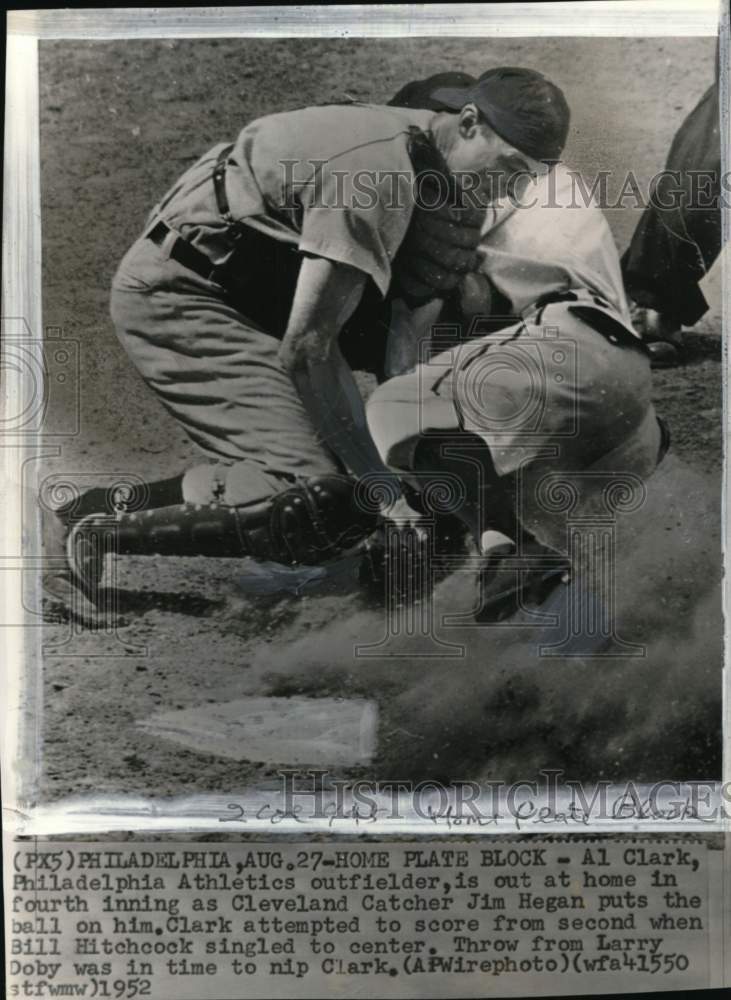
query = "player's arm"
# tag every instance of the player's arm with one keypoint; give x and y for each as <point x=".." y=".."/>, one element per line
<point x="325" y="298"/>
<point x="409" y="330"/>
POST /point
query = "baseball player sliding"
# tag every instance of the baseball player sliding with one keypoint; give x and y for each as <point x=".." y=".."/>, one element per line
<point x="253" y="282"/>
<point x="545" y="375"/>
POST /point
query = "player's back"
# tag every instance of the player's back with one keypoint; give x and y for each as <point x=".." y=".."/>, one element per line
<point x="557" y="239"/>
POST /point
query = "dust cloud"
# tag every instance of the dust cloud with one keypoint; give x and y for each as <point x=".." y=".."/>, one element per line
<point x="505" y="709"/>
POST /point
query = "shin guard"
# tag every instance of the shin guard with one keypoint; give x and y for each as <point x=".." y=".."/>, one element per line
<point x="308" y="523"/>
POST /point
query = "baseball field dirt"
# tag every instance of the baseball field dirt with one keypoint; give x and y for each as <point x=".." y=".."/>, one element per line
<point x="119" y="122"/>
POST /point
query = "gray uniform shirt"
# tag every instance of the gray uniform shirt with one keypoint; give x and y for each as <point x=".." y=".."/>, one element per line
<point x="336" y="181"/>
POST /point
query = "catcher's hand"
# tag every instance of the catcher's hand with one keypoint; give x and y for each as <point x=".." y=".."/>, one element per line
<point x="440" y="246"/>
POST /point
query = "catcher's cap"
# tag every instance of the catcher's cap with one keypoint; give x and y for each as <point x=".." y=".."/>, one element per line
<point x="420" y="93"/>
<point x="520" y="105"/>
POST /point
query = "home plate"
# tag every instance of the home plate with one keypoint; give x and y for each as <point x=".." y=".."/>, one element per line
<point x="275" y="730"/>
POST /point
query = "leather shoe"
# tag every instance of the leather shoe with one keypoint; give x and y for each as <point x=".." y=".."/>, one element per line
<point x="71" y="593"/>
<point x="662" y="354"/>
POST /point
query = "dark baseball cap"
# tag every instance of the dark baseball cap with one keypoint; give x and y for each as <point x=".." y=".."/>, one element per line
<point x="520" y="105"/>
<point x="420" y="93"/>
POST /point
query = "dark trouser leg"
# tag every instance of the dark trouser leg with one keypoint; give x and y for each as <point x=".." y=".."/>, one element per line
<point x="669" y="255"/>
<point x="679" y="235"/>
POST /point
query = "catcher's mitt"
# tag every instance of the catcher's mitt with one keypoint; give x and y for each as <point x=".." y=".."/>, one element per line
<point x="440" y="245"/>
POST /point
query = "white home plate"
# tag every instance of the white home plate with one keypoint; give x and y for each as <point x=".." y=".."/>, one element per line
<point x="275" y="730"/>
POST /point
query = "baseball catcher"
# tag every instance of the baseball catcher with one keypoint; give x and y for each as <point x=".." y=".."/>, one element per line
<point x="243" y="305"/>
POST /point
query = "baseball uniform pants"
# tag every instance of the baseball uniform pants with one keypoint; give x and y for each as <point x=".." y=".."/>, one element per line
<point x="217" y="373"/>
<point x="552" y="396"/>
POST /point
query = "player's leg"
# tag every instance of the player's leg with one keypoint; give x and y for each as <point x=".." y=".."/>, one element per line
<point x="219" y="377"/>
<point x="569" y="390"/>
<point x="539" y="405"/>
<point x="678" y="236"/>
<point x="417" y="423"/>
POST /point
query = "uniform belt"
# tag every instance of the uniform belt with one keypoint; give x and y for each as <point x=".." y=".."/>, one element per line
<point x="594" y="311"/>
<point x="184" y="252"/>
<point x="258" y="278"/>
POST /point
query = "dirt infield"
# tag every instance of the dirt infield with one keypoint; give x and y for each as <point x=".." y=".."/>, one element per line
<point x="119" y="122"/>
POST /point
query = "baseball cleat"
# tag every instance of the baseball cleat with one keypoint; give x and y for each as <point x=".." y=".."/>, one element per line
<point x="508" y="580"/>
<point x="70" y="581"/>
<point x="663" y="354"/>
<point x="662" y="334"/>
<point x="63" y="598"/>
